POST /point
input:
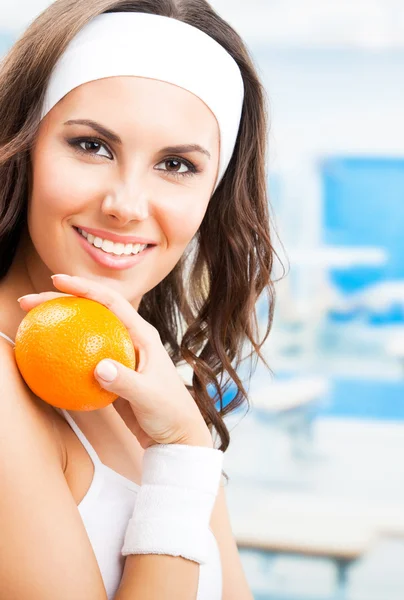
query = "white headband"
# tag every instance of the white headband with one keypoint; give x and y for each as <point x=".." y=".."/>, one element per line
<point x="156" y="47"/>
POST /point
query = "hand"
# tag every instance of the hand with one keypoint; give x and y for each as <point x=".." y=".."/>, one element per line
<point x="165" y="411"/>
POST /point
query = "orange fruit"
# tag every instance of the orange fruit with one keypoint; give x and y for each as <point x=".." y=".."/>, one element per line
<point x="60" y="342"/>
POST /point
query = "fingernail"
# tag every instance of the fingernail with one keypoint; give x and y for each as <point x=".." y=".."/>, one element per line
<point x="26" y="296"/>
<point x="60" y="275"/>
<point x="106" y="370"/>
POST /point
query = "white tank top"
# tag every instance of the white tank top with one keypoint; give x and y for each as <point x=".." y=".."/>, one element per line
<point x="106" y="509"/>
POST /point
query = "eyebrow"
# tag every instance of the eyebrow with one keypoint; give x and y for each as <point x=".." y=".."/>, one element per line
<point x="110" y="135"/>
<point x="113" y="137"/>
<point x="185" y="148"/>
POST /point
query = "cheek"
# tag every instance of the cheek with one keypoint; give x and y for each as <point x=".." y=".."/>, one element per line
<point x="180" y="219"/>
<point x="60" y="185"/>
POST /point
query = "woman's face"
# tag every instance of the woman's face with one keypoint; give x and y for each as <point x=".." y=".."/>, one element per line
<point x="146" y="167"/>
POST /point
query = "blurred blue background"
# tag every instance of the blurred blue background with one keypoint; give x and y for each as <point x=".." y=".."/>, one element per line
<point x="316" y="490"/>
<point x="316" y="470"/>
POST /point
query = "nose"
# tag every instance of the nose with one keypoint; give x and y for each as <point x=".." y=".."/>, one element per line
<point x="127" y="203"/>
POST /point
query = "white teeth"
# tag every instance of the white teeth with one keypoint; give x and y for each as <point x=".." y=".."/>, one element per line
<point x="107" y="246"/>
<point x="118" y="249"/>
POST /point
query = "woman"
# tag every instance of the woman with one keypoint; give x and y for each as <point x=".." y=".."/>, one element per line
<point x="132" y="170"/>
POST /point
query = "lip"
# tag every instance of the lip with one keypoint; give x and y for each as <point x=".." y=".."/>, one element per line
<point x="108" y="260"/>
<point x="114" y="237"/>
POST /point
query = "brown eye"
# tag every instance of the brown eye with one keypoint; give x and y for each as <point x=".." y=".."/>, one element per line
<point x="176" y="166"/>
<point x="91" y="146"/>
<point x="173" y="165"/>
<point x="87" y="145"/>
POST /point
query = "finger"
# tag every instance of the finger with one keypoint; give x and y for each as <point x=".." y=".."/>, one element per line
<point x="152" y="419"/>
<point x="119" y="379"/>
<point x="31" y="300"/>
<point x="140" y="330"/>
<point x="116" y="377"/>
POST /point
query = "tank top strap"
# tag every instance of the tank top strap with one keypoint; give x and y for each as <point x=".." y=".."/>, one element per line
<point x="3" y="335"/>
<point x="94" y="456"/>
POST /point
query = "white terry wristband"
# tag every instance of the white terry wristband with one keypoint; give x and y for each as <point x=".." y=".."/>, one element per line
<point x="175" y="501"/>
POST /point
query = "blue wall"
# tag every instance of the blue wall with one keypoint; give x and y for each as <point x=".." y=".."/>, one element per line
<point x="364" y="206"/>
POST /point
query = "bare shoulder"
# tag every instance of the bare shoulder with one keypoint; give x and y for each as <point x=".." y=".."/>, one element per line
<point x="18" y="402"/>
<point x="45" y="552"/>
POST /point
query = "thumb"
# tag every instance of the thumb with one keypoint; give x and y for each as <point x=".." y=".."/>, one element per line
<point x="117" y="378"/>
<point x="114" y="376"/>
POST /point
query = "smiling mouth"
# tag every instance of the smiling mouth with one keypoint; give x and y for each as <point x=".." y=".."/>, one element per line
<point x="112" y="248"/>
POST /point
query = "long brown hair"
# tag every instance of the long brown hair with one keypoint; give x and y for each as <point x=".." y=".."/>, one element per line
<point x="205" y="311"/>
